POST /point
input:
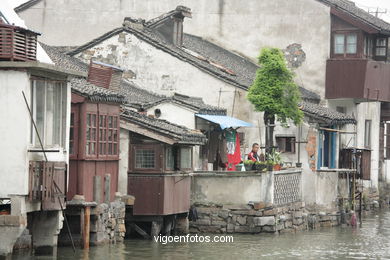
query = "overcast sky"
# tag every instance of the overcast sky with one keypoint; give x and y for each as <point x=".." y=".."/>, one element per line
<point x="371" y="5"/>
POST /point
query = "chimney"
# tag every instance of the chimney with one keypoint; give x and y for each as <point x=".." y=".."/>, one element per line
<point x="170" y="24"/>
<point x="105" y="75"/>
<point x="178" y="18"/>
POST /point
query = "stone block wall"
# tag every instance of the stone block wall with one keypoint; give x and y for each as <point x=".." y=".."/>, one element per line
<point x="108" y="223"/>
<point x="213" y="218"/>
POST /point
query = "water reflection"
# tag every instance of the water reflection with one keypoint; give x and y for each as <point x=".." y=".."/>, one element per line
<point x="370" y="241"/>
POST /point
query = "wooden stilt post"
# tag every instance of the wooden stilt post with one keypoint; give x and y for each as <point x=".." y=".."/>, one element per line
<point x="86" y="227"/>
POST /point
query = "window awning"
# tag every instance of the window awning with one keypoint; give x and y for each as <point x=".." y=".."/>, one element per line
<point x="225" y="121"/>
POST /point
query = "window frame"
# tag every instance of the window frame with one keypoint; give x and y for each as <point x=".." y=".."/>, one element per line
<point x="384" y="47"/>
<point x="61" y="115"/>
<point x="73" y="154"/>
<point x="159" y="156"/>
<point x="345" y="53"/>
<point x="283" y="148"/>
<point x="179" y="158"/>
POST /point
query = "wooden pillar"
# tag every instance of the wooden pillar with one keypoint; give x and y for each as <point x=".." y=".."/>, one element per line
<point x="86" y="227"/>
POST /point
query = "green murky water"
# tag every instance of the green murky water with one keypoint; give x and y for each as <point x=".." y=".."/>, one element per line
<point x="371" y="241"/>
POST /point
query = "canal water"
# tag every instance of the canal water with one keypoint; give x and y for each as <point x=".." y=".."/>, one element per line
<point x="370" y="241"/>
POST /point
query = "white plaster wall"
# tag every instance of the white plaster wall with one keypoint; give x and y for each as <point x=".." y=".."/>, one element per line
<point x="218" y="189"/>
<point x="15" y="130"/>
<point x="123" y="160"/>
<point x="244" y="27"/>
<point x="370" y="111"/>
<point x="175" y="114"/>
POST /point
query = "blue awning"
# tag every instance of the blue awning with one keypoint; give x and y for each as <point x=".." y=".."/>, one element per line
<point x="225" y="121"/>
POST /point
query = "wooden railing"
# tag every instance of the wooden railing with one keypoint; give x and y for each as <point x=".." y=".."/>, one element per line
<point x="17" y="44"/>
<point x="47" y="184"/>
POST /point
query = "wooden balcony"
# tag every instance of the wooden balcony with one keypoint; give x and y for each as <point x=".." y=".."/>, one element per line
<point x="17" y="44"/>
<point x="47" y="184"/>
<point x="360" y="79"/>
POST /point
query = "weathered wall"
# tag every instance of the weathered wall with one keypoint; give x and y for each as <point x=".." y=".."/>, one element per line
<point x="217" y="188"/>
<point x="123" y="161"/>
<point x="163" y="73"/>
<point x="175" y="114"/>
<point x="256" y="23"/>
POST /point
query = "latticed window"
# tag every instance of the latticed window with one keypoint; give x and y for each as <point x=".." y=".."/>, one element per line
<point x="145" y="159"/>
<point x="112" y="139"/>
<point x="91" y="137"/>
<point x="102" y="134"/>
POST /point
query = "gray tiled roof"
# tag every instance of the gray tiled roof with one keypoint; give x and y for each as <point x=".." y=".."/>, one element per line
<point x="94" y="93"/>
<point x="138" y="98"/>
<point x="65" y="61"/>
<point x="350" y="8"/>
<point x="243" y="68"/>
<point x="178" y="133"/>
<point x="325" y="114"/>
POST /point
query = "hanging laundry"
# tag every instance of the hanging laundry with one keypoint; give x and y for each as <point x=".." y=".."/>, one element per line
<point x="234" y="158"/>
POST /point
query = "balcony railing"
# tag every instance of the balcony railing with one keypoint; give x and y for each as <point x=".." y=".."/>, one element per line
<point x="360" y="79"/>
<point x="47" y="184"/>
<point x="17" y="44"/>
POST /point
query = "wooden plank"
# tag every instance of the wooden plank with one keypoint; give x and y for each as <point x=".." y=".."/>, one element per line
<point x="140" y="231"/>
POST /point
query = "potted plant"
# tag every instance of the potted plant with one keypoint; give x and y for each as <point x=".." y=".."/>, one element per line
<point x="248" y="165"/>
<point x="260" y="166"/>
<point x="276" y="158"/>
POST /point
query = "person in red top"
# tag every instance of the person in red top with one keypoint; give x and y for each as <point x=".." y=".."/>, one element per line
<point x="253" y="154"/>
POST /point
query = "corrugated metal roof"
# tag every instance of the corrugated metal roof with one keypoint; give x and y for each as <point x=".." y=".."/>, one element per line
<point x="225" y="121"/>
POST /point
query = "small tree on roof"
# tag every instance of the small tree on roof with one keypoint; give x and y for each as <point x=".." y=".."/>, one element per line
<point x="274" y="91"/>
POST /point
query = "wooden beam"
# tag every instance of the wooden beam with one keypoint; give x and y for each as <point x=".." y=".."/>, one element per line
<point x="353" y="20"/>
<point x="145" y="132"/>
<point x="336" y="130"/>
<point x="86" y="227"/>
<point x="141" y="231"/>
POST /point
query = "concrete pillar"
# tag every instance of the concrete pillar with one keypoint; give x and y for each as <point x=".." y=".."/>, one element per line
<point x="45" y="229"/>
<point x="11" y="227"/>
<point x="107" y="188"/>
<point x="97" y="189"/>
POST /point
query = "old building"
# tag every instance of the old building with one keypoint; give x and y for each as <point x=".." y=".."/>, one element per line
<point x="35" y="114"/>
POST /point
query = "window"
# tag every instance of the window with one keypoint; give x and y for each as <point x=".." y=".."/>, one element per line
<point x="145" y="159"/>
<point x="169" y="159"/>
<point x="112" y="135"/>
<point x="367" y="134"/>
<point x="339" y="43"/>
<point x="286" y="144"/>
<point x="368" y="46"/>
<point x="91" y="137"/>
<point x="345" y="43"/>
<point x="185" y="158"/>
<point x="327" y="149"/>
<point x="380" y="47"/>
<point x="49" y="104"/>
<point x="102" y="134"/>
<point x="351" y="43"/>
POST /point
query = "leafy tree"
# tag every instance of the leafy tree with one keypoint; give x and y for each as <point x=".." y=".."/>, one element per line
<point x="274" y="91"/>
